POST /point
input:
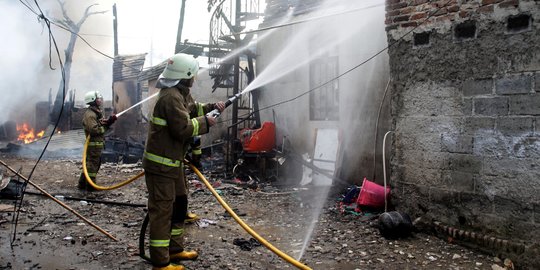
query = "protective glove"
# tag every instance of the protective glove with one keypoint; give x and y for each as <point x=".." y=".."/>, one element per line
<point x="195" y="160"/>
<point x="112" y="118"/>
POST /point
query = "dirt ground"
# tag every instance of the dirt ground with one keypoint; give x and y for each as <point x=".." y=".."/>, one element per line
<point x="50" y="237"/>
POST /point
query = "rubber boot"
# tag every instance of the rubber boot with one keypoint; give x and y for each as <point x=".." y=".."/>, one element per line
<point x="191" y="217"/>
<point x="170" y="267"/>
<point x="184" y="255"/>
<point x="84" y="185"/>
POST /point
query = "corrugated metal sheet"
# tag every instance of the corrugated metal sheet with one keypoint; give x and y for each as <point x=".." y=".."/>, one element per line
<point x="152" y="73"/>
<point x="127" y="66"/>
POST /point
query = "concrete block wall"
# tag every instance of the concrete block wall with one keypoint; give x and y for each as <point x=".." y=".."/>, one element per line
<point x="466" y="113"/>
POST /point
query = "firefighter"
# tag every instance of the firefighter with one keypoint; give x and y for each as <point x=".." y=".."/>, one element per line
<point x="170" y="131"/>
<point x="95" y="126"/>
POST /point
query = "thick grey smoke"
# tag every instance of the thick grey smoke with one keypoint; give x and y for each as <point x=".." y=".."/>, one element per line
<point x="25" y="73"/>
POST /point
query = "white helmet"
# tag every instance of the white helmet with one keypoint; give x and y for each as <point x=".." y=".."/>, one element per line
<point x="180" y="66"/>
<point x="92" y="96"/>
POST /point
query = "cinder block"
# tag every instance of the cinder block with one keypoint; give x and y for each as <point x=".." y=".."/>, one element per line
<point x="515" y="125"/>
<point x="514" y="84"/>
<point x="457" y="143"/>
<point x="491" y="106"/>
<point x="465" y="163"/>
<point x="477" y="87"/>
<point x="524" y="104"/>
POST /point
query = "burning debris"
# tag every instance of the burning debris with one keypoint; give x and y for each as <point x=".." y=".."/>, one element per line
<point x="27" y="133"/>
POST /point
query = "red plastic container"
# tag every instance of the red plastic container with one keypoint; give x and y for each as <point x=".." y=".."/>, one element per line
<point x="259" y="140"/>
<point x="372" y="195"/>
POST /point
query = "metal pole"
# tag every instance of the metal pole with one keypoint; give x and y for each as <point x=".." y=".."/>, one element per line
<point x="59" y="202"/>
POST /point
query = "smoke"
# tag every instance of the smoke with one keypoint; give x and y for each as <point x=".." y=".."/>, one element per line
<point x="25" y="74"/>
<point x="143" y="27"/>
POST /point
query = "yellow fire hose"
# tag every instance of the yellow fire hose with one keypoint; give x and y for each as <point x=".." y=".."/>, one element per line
<point x="220" y="200"/>
<point x="94" y="185"/>
<point x="245" y="226"/>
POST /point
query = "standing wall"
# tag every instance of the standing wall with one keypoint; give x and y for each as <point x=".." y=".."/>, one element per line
<point x="466" y="114"/>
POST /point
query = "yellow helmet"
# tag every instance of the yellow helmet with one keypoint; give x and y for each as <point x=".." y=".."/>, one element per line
<point x="92" y="96"/>
<point x="180" y="66"/>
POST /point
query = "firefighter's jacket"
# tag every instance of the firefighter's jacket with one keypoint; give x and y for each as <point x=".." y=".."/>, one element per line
<point x="176" y="118"/>
<point x="93" y="127"/>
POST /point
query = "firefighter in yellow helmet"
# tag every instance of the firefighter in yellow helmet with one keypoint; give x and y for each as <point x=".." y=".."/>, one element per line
<point x="174" y="121"/>
<point x="95" y="126"/>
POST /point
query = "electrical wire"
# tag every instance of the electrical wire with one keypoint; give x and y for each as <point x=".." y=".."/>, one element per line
<point x="247" y="115"/>
<point x="52" y="41"/>
<point x="77" y="34"/>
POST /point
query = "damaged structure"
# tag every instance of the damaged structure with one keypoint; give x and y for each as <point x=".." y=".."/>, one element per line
<point x="465" y="110"/>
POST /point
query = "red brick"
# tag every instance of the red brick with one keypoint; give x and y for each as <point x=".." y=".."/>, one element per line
<point x="409" y="24"/>
<point x="418" y="16"/>
<point x="440" y="12"/>
<point x="391" y="2"/>
<point x="419" y="2"/>
<point x="393" y="13"/>
<point x="399" y="5"/>
<point x="401" y="18"/>
<point x="453" y="9"/>
<point x="509" y="3"/>
<point x="464" y="14"/>
<point x="407" y="10"/>
<point x="489" y="2"/>
<point x="486" y="9"/>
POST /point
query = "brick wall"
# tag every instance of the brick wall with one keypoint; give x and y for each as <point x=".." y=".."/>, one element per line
<point x="466" y="114"/>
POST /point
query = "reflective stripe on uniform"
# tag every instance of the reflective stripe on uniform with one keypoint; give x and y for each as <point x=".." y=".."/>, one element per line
<point x="101" y="130"/>
<point x="176" y="232"/>
<point x="162" y="160"/>
<point x="159" y="243"/>
<point x="95" y="144"/>
<point x="197" y="151"/>
<point x="159" y="121"/>
<point x="195" y="124"/>
<point x="200" y="109"/>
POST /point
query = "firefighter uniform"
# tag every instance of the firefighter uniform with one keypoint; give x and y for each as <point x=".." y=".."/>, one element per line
<point x="195" y="145"/>
<point x="94" y="128"/>
<point x="170" y="132"/>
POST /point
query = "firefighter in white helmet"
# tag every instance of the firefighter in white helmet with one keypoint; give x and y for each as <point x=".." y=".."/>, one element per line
<point x="175" y="120"/>
<point x="95" y="126"/>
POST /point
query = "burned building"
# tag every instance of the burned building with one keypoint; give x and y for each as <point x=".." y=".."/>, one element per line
<point x="325" y="68"/>
<point x="126" y="93"/>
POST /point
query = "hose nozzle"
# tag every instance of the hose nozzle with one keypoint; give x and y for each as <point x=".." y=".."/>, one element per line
<point x="217" y="113"/>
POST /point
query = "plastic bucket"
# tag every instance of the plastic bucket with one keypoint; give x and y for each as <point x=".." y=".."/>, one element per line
<point x="372" y="195"/>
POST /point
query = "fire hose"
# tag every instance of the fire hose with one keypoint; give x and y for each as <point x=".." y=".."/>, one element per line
<point x="94" y="185"/>
<point x="248" y="229"/>
<point x="216" y="113"/>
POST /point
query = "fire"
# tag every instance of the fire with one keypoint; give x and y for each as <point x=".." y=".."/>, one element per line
<point x="27" y="134"/>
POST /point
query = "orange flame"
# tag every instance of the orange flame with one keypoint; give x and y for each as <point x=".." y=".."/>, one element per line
<point x="27" y="134"/>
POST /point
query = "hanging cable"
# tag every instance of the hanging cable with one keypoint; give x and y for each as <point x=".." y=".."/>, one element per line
<point x="52" y="41"/>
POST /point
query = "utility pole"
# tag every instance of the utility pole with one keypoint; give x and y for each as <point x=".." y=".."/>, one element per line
<point x="177" y="46"/>
<point x="115" y="30"/>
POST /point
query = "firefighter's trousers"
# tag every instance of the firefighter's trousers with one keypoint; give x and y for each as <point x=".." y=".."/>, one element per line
<point x="93" y="163"/>
<point x="167" y="208"/>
